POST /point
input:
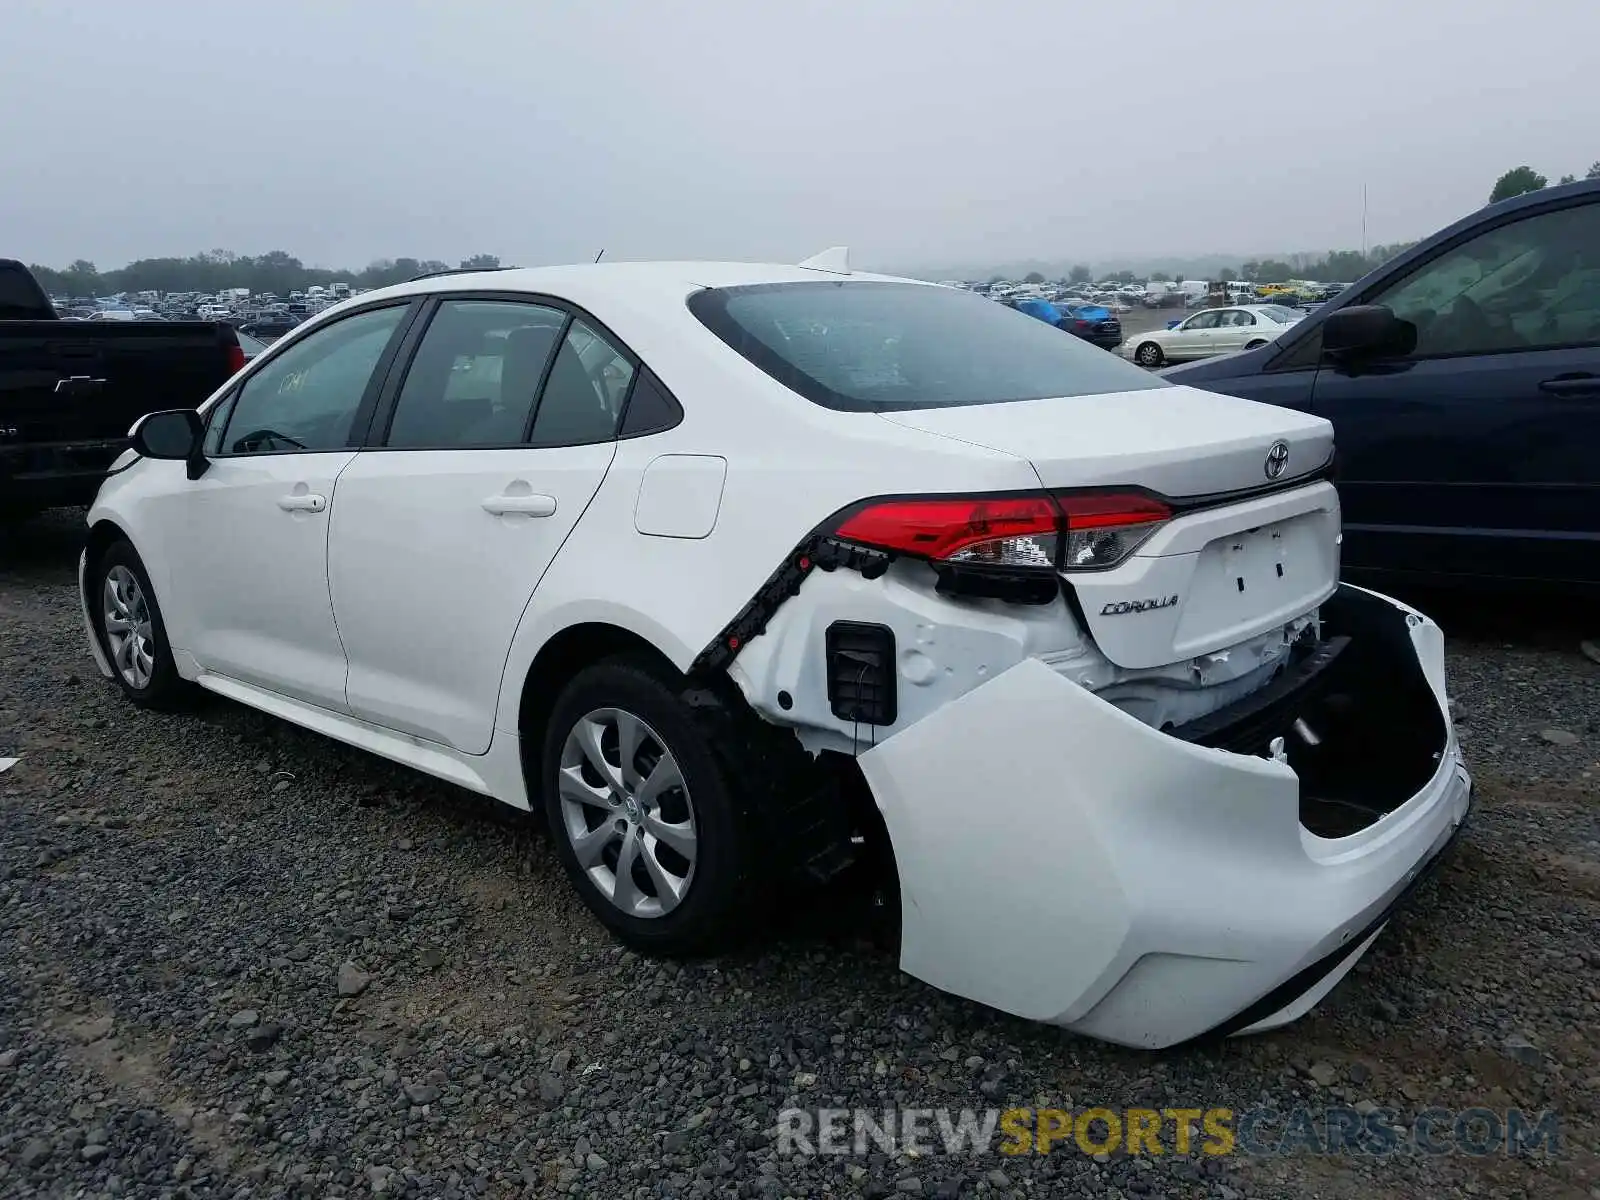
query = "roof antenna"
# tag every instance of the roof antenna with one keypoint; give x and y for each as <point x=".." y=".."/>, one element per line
<point x="597" y="256"/>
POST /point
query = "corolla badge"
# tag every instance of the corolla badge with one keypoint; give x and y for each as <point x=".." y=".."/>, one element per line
<point x="1277" y="459"/>
<point x="1118" y="607"/>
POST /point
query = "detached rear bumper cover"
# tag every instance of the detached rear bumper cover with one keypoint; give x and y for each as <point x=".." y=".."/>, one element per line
<point x="1062" y="861"/>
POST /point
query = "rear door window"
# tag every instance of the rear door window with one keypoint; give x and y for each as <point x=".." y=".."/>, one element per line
<point x="475" y="374"/>
<point x="583" y="399"/>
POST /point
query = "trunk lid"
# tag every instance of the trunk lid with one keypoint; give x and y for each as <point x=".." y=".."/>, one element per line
<point x="1179" y="441"/>
<point x="1232" y="563"/>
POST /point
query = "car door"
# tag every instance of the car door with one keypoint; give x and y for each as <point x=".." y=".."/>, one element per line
<point x="481" y="464"/>
<point x="1193" y="338"/>
<point x="1235" y="327"/>
<point x="250" y="569"/>
<point x="1479" y="453"/>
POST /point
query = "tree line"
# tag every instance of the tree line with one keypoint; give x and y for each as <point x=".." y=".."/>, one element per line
<point x="1521" y="180"/>
<point x="276" y="273"/>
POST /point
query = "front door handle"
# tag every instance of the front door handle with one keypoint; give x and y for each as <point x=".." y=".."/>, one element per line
<point x="527" y="505"/>
<point x="303" y="502"/>
<point x="1572" y="385"/>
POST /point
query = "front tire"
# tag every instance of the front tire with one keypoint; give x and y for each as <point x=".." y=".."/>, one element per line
<point x="641" y="814"/>
<point x="127" y="620"/>
<point x="1149" y="355"/>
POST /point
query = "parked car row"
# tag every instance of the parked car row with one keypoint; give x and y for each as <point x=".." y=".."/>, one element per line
<point x="1091" y="322"/>
<point x="273" y="315"/>
<point x="1122" y="298"/>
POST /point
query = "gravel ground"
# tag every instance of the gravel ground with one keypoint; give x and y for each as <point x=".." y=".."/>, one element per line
<point x="239" y="960"/>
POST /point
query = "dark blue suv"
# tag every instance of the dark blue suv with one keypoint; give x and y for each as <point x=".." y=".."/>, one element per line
<point x="1463" y="382"/>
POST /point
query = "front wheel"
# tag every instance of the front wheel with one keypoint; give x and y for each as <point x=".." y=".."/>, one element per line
<point x="1148" y="355"/>
<point x="127" y="620"/>
<point x="642" y="817"/>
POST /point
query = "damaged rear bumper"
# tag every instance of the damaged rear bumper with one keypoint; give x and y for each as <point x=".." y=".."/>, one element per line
<point x="1063" y="861"/>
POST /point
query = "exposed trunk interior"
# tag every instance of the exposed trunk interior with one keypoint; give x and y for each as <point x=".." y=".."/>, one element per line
<point x="1359" y="723"/>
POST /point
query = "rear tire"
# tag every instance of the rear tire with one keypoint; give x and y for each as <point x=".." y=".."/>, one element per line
<point x="1149" y="355"/>
<point x="127" y="621"/>
<point x="641" y="813"/>
<point x="1255" y="345"/>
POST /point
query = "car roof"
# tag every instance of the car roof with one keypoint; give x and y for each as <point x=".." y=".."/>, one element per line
<point x="643" y="304"/>
<point x="586" y="283"/>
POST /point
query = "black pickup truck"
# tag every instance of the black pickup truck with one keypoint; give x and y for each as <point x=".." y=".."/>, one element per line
<point x="69" y="390"/>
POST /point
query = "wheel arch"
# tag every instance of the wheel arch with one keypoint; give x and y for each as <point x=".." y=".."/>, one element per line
<point x="561" y="657"/>
<point x="102" y="534"/>
<point x="809" y="807"/>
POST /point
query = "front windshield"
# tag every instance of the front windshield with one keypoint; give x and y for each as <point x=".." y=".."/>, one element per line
<point x="866" y="346"/>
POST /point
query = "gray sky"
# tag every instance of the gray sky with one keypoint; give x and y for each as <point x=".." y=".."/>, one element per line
<point x="915" y="131"/>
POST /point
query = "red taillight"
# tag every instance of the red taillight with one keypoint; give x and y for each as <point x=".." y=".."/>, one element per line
<point x="1080" y="326"/>
<point x="948" y="526"/>
<point x="235" y="359"/>
<point x="1073" y="531"/>
<point x="1107" y="510"/>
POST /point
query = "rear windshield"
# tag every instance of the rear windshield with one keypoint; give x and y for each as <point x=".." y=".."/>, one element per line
<point x="20" y="298"/>
<point x="865" y="346"/>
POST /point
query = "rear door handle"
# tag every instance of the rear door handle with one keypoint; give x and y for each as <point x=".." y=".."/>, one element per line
<point x="303" y="502"/>
<point x="525" y="505"/>
<point x="1572" y="385"/>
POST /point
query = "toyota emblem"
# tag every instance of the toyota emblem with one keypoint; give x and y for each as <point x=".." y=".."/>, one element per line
<point x="1277" y="459"/>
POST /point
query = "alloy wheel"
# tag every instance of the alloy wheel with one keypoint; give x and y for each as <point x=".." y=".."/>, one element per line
<point x="129" y="635"/>
<point x="626" y="812"/>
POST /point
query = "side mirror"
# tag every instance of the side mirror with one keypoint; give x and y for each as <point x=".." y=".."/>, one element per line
<point x="174" y="434"/>
<point x="1366" y="332"/>
<point x="177" y="434"/>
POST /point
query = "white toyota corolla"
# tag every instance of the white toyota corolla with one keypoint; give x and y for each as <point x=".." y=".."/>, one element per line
<point x="742" y="573"/>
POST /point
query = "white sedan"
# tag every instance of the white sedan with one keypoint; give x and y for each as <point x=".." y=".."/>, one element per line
<point x="1210" y="332"/>
<point x="737" y="574"/>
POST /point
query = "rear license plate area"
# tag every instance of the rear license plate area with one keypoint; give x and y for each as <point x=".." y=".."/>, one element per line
<point x="1251" y="579"/>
